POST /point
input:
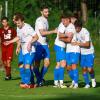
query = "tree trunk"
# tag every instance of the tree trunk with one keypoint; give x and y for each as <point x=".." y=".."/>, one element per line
<point x="84" y="10"/>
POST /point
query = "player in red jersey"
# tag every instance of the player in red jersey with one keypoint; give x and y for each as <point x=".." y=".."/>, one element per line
<point x="7" y="33"/>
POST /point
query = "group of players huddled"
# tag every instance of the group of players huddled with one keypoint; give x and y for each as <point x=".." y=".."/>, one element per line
<point x="72" y="45"/>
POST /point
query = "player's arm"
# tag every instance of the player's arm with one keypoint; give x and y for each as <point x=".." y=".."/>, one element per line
<point x="84" y="45"/>
<point x="66" y="38"/>
<point x="44" y="32"/>
<point x="18" y="47"/>
<point x="34" y="39"/>
<point x="12" y="41"/>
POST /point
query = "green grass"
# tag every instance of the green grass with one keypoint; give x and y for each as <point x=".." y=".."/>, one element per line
<point x="10" y="90"/>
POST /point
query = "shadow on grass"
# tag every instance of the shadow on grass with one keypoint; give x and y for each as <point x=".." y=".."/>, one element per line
<point x="16" y="78"/>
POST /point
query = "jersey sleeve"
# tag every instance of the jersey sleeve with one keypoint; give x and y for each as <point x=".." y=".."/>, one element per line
<point x="61" y="28"/>
<point x="39" y="24"/>
<point x="31" y="31"/>
<point x="87" y="36"/>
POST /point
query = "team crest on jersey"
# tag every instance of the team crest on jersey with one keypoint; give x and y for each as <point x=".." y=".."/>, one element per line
<point x="9" y="31"/>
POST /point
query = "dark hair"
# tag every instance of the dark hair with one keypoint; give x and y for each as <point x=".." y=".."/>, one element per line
<point x="19" y="16"/>
<point x="78" y="23"/>
<point x="66" y="15"/>
<point x="44" y="7"/>
<point x="75" y="15"/>
<point x="5" y="18"/>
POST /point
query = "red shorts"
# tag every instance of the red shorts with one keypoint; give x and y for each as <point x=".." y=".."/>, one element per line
<point x="7" y="52"/>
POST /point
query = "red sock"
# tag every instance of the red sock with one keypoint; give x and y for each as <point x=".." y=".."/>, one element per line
<point x="8" y="71"/>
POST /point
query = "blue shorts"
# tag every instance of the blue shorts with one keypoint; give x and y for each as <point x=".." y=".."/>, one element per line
<point x="42" y="52"/>
<point x="20" y="57"/>
<point x="28" y="58"/>
<point x="72" y="58"/>
<point x="87" y="60"/>
<point x="60" y="53"/>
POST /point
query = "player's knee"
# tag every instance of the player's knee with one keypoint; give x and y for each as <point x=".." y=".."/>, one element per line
<point x="47" y="63"/>
<point x="20" y="65"/>
<point x="57" y="65"/>
<point x="84" y="70"/>
<point x="37" y="63"/>
<point x="63" y="63"/>
<point x="90" y="70"/>
<point x="9" y="63"/>
<point x="27" y="66"/>
<point x="68" y="68"/>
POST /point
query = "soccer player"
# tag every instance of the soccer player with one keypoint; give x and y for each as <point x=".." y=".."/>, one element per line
<point x="42" y="48"/>
<point x="6" y="34"/>
<point x="87" y="53"/>
<point x="60" y="58"/>
<point x="27" y="36"/>
<point x="72" y="52"/>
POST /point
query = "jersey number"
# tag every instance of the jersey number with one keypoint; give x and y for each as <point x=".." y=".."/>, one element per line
<point x="7" y="36"/>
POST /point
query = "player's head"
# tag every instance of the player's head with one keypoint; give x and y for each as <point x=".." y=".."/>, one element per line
<point x="65" y="19"/>
<point x="19" y="20"/>
<point x="78" y="25"/>
<point x="14" y="17"/>
<point x="4" y="21"/>
<point x="45" y="11"/>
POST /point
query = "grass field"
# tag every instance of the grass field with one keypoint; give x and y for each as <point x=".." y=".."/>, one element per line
<point x="10" y="90"/>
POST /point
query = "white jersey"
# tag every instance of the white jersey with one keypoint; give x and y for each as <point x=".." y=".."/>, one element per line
<point x="61" y="30"/>
<point x="84" y="36"/>
<point x="41" y="23"/>
<point x="70" y="31"/>
<point x="25" y="34"/>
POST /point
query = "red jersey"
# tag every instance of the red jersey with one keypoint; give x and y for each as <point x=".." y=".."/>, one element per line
<point x="7" y="35"/>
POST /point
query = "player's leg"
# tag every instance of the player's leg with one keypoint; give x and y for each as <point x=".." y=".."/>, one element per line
<point x="9" y="56"/>
<point x="61" y="73"/>
<point x="38" y="58"/>
<point x="90" y="64"/>
<point x="85" y="71"/>
<point x="46" y="55"/>
<point x="69" y="69"/>
<point x="21" y="67"/>
<point x="61" y="59"/>
<point x="27" y="64"/>
<point x="56" y="75"/>
<point x="74" y="61"/>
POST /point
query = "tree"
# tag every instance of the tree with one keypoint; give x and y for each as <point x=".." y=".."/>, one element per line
<point x="84" y="10"/>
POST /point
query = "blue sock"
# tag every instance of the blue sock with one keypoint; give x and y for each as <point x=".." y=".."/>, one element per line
<point x="86" y="78"/>
<point x="32" y="77"/>
<point x="27" y="75"/>
<point x="61" y="73"/>
<point x="56" y="74"/>
<point x="43" y="72"/>
<point x="37" y="73"/>
<point x="22" y="74"/>
<point x="70" y="73"/>
<point x="92" y="75"/>
<point x="76" y="75"/>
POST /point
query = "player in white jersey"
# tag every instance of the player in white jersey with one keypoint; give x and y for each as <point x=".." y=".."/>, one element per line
<point x="72" y="52"/>
<point x="27" y="36"/>
<point x="87" y="53"/>
<point x="60" y="58"/>
<point x="42" y="49"/>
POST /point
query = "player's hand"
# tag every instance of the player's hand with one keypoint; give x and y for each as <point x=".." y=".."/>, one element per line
<point x="75" y="43"/>
<point x="6" y="43"/>
<point x="56" y="30"/>
<point x="29" y="47"/>
<point x="17" y="51"/>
